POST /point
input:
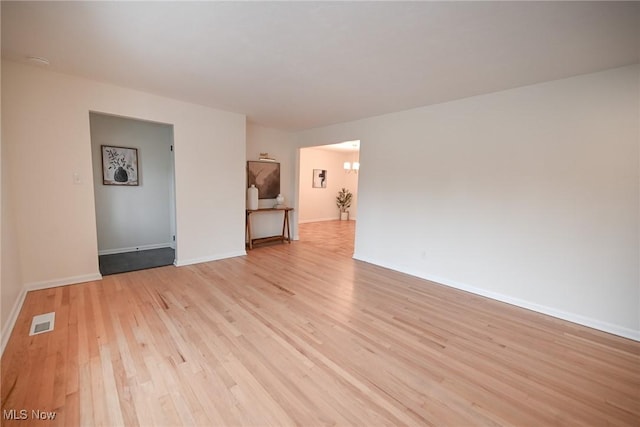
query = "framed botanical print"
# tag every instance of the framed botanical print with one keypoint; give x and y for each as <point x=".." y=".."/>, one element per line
<point x="119" y="165"/>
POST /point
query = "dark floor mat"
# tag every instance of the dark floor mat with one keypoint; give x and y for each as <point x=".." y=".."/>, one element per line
<point x="138" y="260"/>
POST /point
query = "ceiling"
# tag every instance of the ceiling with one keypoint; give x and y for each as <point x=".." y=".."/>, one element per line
<point x="343" y="147"/>
<point x="299" y="65"/>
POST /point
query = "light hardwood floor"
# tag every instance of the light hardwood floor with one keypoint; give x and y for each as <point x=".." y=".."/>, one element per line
<point x="300" y="334"/>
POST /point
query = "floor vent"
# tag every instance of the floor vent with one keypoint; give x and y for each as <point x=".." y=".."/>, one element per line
<point x="42" y="323"/>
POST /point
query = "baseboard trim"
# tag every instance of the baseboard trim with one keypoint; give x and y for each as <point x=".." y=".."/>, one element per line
<point x="34" y="286"/>
<point x="305" y="221"/>
<point x="11" y="321"/>
<point x="135" y="248"/>
<point x="183" y="262"/>
<point x="550" y="311"/>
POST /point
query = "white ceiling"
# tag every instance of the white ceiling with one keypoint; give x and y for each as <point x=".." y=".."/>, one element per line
<point x="298" y="65"/>
<point x="343" y="147"/>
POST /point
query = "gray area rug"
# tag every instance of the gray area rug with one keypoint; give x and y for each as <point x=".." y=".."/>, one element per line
<point x="138" y="260"/>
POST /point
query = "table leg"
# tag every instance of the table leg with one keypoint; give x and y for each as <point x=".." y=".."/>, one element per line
<point x="286" y="216"/>
<point x="249" y="231"/>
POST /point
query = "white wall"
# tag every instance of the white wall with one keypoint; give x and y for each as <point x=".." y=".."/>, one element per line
<point x="281" y="146"/>
<point x="45" y="125"/>
<point x="130" y="217"/>
<point x="319" y="204"/>
<point x="529" y="195"/>
<point x="351" y="183"/>
<point x="10" y="278"/>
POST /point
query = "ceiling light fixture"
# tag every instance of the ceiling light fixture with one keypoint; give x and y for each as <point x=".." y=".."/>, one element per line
<point x="355" y="165"/>
<point x="351" y="167"/>
<point x="38" y="60"/>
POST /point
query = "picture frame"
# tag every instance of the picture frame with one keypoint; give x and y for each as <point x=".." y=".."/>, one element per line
<point x="265" y="175"/>
<point x="119" y="165"/>
<point x="319" y="178"/>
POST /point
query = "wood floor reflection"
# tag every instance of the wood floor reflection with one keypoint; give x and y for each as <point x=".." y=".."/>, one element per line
<point x="302" y="334"/>
<point x="334" y="236"/>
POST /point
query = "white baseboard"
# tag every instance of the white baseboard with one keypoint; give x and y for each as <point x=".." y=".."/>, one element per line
<point x="304" y="221"/>
<point x="550" y="311"/>
<point x="183" y="262"/>
<point x="11" y="321"/>
<point x="136" y="248"/>
<point x="34" y="286"/>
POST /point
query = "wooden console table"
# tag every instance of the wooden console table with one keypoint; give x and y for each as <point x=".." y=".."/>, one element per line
<point x="281" y="237"/>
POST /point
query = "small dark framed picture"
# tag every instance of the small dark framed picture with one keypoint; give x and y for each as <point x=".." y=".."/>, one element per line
<point x="319" y="178"/>
<point x="119" y="165"/>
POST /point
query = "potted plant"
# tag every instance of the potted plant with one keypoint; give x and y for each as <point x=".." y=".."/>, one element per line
<point x="343" y="201"/>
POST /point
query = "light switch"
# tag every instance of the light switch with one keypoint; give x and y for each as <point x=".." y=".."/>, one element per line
<point x="76" y="178"/>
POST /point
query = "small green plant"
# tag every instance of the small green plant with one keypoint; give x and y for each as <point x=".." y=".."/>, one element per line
<point x="343" y="199"/>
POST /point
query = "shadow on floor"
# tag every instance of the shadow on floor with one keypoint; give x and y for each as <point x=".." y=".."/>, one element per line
<point x="138" y="260"/>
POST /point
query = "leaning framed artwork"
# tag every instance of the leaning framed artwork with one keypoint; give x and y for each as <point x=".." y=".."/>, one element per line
<point x="266" y="177"/>
<point x="119" y="165"/>
<point x="319" y="178"/>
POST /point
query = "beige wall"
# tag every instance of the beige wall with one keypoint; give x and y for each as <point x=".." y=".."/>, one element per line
<point x="530" y="195"/>
<point x="10" y="279"/>
<point x="280" y="146"/>
<point x="10" y="276"/>
<point x="319" y="204"/>
<point x="45" y="130"/>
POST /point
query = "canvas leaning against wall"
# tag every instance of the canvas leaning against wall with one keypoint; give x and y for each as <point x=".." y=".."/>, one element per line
<point x="266" y="177"/>
<point x="119" y="165"/>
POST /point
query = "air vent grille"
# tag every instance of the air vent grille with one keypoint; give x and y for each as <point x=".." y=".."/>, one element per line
<point x="42" y="323"/>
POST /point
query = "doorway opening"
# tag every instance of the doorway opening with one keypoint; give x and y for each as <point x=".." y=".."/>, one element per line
<point x="319" y="216"/>
<point x="134" y="188"/>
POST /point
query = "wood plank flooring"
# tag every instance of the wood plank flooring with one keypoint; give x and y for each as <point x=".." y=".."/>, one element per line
<point x="301" y="334"/>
